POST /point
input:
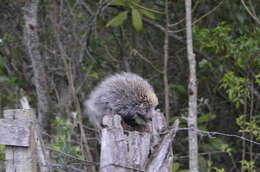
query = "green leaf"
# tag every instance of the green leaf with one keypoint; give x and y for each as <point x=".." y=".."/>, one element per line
<point x="203" y="63"/>
<point x="148" y="14"/>
<point x="179" y="88"/>
<point x="175" y="167"/>
<point x="119" y="3"/>
<point x="137" y="19"/>
<point x="57" y="148"/>
<point x="94" y="75"/>
<point x="257" y="79"/>
<point x="206" y="117"/>
<point x="118" y="20"/>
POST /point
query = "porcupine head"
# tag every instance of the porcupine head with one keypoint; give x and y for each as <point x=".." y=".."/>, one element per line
<point x="125" y="94"/>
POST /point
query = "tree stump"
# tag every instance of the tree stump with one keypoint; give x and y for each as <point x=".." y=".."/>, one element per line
<point x="128" y="151"/>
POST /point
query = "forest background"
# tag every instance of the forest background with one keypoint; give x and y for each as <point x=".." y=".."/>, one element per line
<point x="79" y="42"/>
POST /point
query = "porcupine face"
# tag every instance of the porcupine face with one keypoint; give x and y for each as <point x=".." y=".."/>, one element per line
<point x="133" y="95"/>
<point x="147" y="102"/>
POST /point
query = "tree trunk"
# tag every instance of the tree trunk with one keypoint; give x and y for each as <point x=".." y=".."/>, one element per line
<point x="192" y="90"/>
<point x="165" y="67"/>
<point x="39" y="74"/>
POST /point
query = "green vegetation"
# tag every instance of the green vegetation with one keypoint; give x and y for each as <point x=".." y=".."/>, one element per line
<point x="81" y="42"/>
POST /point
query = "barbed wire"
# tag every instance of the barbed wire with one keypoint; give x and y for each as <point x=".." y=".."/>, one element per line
<point x="86" y="163"/>
<point x="212" y="133"/>
<point x="199" y="154"/>
<point x="208" y="133"/>
<point x="72" y="157"/>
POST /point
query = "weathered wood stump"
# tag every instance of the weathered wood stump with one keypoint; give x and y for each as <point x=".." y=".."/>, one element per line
<point x="19" y="139"/>
<point x="128" y="151"/>
<point x="19" y="133"/>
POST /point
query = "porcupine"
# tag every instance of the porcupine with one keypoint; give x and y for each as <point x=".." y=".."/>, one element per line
<point x="124" y="94"/>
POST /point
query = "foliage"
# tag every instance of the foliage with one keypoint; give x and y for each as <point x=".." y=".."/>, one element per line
<point x="62" y="141"/>
<point x="242" y="50"/>
<point x="219" y="169"/>
<point x="80" y="46"/>
<point x="235" y="88"/>
<point x="118" y="20"/>
<point x="135" y="9"/>
<point x="248" y="166"/>
<point x="214" y="40"/>
<point x="250" y="127"/>
<point x="176" y="167"/>
<point x="236" y="63"/>
<point x="2" y="152"/>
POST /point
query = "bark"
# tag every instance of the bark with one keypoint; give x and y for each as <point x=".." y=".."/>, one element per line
<point x="165" y="68"/>
<point x="162" y="159"/>
<point x="39" y="74"/>
<point x="192" y="90"/>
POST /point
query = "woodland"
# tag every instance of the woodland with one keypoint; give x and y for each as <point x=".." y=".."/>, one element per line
<point x="55" y="52"/>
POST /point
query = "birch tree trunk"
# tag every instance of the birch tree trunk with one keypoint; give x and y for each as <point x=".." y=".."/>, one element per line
<point x="165" y="67"/>
<point x="39" y="74"/>
<point x="192" y="90"/>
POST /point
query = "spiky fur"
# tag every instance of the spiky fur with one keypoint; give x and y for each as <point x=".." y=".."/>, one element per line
<point x="125" y="94"/>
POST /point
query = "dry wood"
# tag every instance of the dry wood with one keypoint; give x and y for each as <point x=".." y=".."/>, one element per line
<point x="162" y="156"/>
<point x="127" y="151"/>
<point x="14" y="132"/>
<point x="42" y="155"/>
<point x="119" y="151"/>
<point x="21" y="159"/>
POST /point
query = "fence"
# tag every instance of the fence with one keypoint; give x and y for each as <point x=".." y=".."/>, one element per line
<point x="16" y="130"/>
<point x="121" y="150"/>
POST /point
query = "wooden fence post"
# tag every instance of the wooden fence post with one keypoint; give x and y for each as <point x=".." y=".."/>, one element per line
<point x="42" y="156"/>
<point x="129" y="151"/>
<point x="21" y="158"/>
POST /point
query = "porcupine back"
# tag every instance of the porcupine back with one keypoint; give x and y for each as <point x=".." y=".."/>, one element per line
<point x="125" y="94"/>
